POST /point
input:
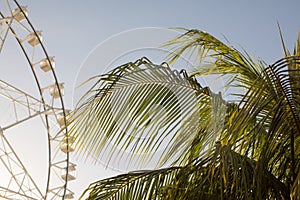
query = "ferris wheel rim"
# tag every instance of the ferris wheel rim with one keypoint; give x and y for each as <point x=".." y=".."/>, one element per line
<point x="41" y="93"/>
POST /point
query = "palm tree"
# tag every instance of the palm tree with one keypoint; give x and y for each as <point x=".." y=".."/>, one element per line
<point x="213" y="148"/>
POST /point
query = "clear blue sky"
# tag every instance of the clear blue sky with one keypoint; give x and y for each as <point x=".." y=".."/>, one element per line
<point x="71" y="29"/>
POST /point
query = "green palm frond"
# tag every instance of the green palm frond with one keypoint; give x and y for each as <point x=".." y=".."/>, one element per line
<point x="224" y="174"/>
<point x="272" y="93"/>
<point x="220" y="58"/>
<point x="267" y="123"/>
<point x="285" y="76"/>
<point x="140" y="107"/>
<point x="296" y="51"/>
<point x="199" y="141"/>
<point x="295" y="192"/>
<point x="138" y="185"/>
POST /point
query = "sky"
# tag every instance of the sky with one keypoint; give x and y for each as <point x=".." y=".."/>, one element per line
<point x="87" y="37"/>
<point x="73" y="30"/>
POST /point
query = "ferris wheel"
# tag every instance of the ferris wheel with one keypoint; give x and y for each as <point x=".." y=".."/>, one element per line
<point x="34" y="143"/>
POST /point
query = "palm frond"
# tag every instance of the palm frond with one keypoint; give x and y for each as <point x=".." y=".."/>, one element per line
<point x="224" y="174"/>
<point x="266" y="125"/>
<point x="285" y="50"/>
<point x="296" y="51"/>
<point x="140" y="107"/>
<point x="138" y="185"/>
<point x="269" y="107"/>
<point x="295" y="191"/>
<point x="210" y="117"/>
<point x="222" y="59"/>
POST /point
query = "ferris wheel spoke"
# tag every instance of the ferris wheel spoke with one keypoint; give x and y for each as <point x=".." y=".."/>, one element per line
<point x="20" y="97"/>
<point x="20" y="178"/>
<point x="23" y="120"/>
<point x="5" y="23"/>
<point x="32" y="107"/>
<point x="12" y="195"/>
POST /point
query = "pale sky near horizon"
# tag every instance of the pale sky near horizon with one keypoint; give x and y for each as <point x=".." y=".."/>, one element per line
<point x="72" y="29"/>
